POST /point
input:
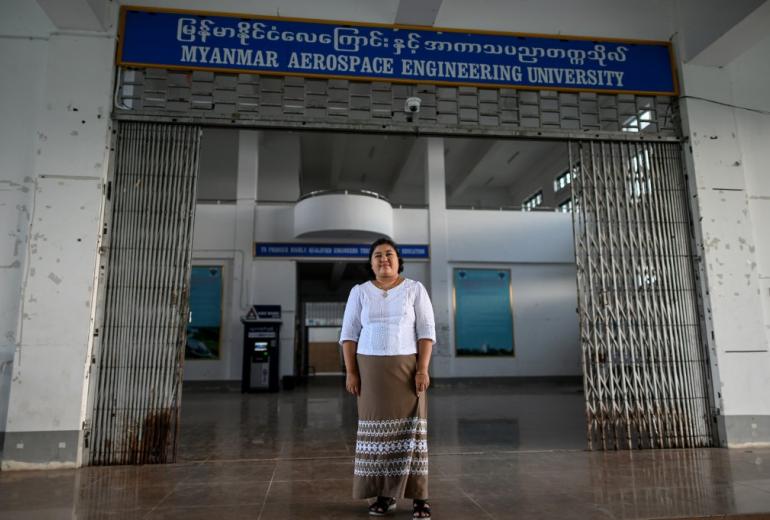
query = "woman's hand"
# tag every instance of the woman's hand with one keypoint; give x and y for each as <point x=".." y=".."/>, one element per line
<point x="421" y="381"/>
<point x="353" y="383"/>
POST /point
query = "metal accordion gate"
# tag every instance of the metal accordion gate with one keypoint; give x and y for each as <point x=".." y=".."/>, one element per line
<point x="645" y="369"/>
<point x="139" y="360"/>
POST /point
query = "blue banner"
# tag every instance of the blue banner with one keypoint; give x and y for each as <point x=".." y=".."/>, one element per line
<point x="483" y="312"/>
<point x="283" y="249"/>
<point x="269" y="45"/>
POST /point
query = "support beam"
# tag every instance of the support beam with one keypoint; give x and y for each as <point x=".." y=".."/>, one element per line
<point x="423" y="12"/>
<point x="440" y="287"/>
<point x="78" y="15"/>
<point x="338" y="269"/>
<point x="737" y="40"/>
<point x="486" y="151"/>
<point x="339" y="148"/>
<point x="409" y="167"/>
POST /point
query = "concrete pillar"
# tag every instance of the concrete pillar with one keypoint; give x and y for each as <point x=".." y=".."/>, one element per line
<point x="727" y="247"/>
<point x="245" y="208"/>
<point x="440" y="286"/>
<point x="49" y="380"/>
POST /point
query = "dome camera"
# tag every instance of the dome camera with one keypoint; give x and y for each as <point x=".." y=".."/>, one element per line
<point x="412" y="105"/>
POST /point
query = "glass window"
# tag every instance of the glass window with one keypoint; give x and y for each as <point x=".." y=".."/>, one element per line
<point x="639" y="122"/>
<point x="565" y="207"/>
<point x="562" y="181"/>
<point x="533" y="201"/>
<point x="205" y="323"/>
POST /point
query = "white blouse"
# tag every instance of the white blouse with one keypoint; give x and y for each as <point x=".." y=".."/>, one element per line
<point x="388" y="325"/>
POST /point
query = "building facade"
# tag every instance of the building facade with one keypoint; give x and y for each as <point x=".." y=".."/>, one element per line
<point x="69" y="111"/>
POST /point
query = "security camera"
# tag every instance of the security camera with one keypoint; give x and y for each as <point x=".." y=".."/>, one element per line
<point x="412" y="105"/>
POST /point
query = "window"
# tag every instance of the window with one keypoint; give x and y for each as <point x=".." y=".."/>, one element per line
<point x="565" y="179"/>
<point x="205" y="323"/>
<point x="640" y="183"/>
<point x="565" y="207"/>
<point x="638" y="122"/>
<point x="562" y="181"/>
<point x="533" y="202"/>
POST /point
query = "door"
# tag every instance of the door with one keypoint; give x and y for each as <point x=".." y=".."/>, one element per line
<point x="645" y="368"/>
<point x="138" y="372"/>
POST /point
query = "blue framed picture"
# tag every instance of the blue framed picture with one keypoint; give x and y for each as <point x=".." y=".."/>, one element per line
<point x="205" y="324"/>
<point x="483" y="309"/>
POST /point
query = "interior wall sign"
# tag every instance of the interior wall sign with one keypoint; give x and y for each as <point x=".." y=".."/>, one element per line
<point x="293" y="249"/>
<point x="194" y="40"/>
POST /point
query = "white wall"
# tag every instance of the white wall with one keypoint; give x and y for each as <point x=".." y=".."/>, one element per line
<point x="537" y="247"/>
<point x="23" y="63"/>
<point x="324" y="334"/>
<point x="54" y="143"/>
<point x="510" y="236"/>
<point x="279" y="167"/>
<point x="729" y="155"/>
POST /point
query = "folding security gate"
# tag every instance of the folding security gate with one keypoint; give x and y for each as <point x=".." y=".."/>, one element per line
<point x="645" y="372"/>
<point x="138" y="372"/>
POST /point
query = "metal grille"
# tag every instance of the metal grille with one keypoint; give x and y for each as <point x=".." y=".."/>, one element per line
<point x="139" y="370"/>
<point x="289" y="102"/>
<point x="645" y="369"/>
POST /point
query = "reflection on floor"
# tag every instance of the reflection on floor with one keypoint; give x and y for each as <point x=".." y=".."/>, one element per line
<point x="497" y="451"/>
<point x="321" y="418"/>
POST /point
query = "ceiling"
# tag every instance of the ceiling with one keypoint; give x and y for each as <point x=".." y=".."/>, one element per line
<point x="480" y="172"/>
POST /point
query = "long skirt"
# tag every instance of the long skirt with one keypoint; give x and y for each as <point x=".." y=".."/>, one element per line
<point x="392" y="441"/>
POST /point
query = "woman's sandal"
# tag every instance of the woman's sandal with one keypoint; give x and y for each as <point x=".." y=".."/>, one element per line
<point x="421" y="509"/>
<point x="382" y="506"/>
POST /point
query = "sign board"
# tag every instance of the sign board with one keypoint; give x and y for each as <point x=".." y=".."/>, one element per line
<point x="197" y="40"/>
<point x="483" y="312"/>
<point x="263" y="313"/>
<point x="284" y="249"/>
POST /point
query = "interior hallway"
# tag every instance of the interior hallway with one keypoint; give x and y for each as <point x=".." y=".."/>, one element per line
<point x="498" y="450"/>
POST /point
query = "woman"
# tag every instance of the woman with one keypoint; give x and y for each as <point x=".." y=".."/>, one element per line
<point x="387" y="338"/>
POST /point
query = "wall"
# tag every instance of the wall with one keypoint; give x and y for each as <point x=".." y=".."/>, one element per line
<point x="537" y="247"/>
<point x="23" y="84"/>
<point x="218" y="164"/>
<point x="279" y="165"/>
<point x="728" y="154"/>
<point x="56" y="104"/>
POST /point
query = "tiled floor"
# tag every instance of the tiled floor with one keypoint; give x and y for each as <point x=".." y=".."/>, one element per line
<point x="497" y="451"/>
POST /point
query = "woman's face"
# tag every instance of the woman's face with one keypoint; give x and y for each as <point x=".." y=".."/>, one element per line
<point x="385" y="261"/>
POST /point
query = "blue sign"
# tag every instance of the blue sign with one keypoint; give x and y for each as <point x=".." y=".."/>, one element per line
<point x="282" y="249"/>
<point x="483" y="312"/>
<point x="269" y="45"/>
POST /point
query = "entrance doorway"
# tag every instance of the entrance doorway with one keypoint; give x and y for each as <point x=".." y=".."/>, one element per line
<point x="506" y="200"/>
<point x="323" y="289"/>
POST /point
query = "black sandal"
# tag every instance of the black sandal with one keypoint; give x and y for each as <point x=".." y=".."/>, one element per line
<point x="421" y="509"/>
<point x="382" y="506"/>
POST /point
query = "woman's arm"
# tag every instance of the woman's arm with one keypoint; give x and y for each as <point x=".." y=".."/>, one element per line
<point x="352" y="379"/>
<point x="351" y="330"/>
<point x="424" y="351"/>
<point x="425" y="325"/>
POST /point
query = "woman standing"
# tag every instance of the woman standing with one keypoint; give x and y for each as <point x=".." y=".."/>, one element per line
<point x="387" y="338"/>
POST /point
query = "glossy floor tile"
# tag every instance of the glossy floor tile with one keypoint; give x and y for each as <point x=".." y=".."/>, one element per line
<point x="498" y="450"/>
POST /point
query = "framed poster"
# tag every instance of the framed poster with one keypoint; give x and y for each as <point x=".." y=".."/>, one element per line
<point x="483" y="310"/>
<point x="204" y="327"/>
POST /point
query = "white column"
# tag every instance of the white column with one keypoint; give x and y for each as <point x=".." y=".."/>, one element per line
<point x="48" y="387"/>
<point x="730" y="231"/>
<point x="245" y="209"/>
<point x="440" y="286"/>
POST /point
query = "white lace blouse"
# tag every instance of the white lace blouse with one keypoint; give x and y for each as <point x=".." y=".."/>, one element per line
<point x="388" y="325"/>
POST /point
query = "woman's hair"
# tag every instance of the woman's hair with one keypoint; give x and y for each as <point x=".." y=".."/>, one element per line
<point x="374" y="246"/>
